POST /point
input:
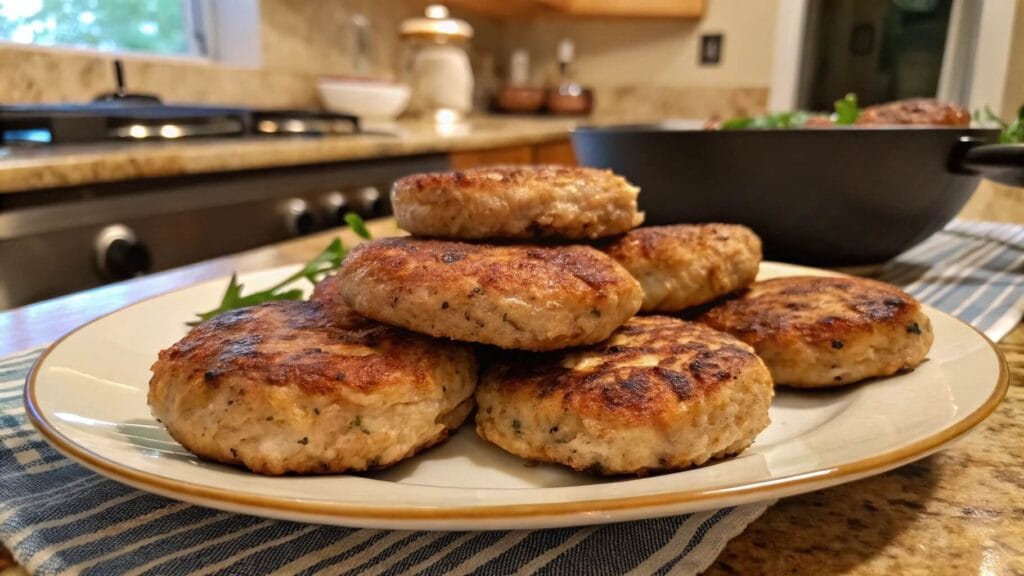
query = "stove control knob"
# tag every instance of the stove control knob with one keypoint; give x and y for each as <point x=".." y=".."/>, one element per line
<point x="335" y="206"/>
<point x="367" y="201"/>
<point x="120" y="254"/>
<point x="300" y="218"/>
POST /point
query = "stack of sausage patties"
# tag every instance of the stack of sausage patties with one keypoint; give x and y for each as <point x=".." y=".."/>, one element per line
<point x="538" y="263"/>
<point x="539" y="272"/>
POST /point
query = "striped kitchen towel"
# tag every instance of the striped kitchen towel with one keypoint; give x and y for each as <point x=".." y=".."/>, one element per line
<point x="59" y="518"/>
<point x="972" y="270"/>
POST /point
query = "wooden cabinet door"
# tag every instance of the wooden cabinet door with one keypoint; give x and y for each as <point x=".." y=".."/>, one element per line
<point x="690" y="9"/>
<point x="507" y="155"/>
<point x="558" y="152"/>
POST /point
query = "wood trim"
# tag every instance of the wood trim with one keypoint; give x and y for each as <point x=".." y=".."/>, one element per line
<point x="630" y="8"/>
<point x="506" y="155"/>
<point x="687" y="9"/>
<point x="558" y="152"/>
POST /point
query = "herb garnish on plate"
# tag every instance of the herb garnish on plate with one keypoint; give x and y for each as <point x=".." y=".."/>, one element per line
<point x="315" y="270"/>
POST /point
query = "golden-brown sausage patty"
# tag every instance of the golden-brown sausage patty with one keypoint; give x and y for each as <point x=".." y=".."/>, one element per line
<point x="815" y="331"/>
<point x="280" y="388"/>
<point x="660" y="394"/>
<point x="516" y="202"/>
<point x="327" y="293"/>
<point x="522" y="297"/>
<point x="922" y="111"/>
<point x="688" y="264"/>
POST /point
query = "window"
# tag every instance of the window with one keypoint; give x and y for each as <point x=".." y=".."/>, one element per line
<point x="170" y="27"/>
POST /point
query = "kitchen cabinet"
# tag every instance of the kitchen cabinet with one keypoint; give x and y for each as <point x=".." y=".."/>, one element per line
<point x="643" y="8"/>
<point x="554" y="152"/>
<point x="690" y="9"/>
<point x="505" y="155"/>
<point x="557" y="152"/>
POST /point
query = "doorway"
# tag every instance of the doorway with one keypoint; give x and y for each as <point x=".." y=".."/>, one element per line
<point x="954" y="50"/>
<point x="881" y="50"/>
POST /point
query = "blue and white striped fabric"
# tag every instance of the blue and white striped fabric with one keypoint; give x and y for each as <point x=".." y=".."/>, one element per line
<point x="972" y="270"/>
<point x="59" y="518"/>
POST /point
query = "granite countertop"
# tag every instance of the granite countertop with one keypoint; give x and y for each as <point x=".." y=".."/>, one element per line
<point x="960" y="511"/>
<point x="24" y="169"/>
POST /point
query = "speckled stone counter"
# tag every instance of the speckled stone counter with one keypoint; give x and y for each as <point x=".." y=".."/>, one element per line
<point x="960" y="511"/>
<point x="23" y="169"/>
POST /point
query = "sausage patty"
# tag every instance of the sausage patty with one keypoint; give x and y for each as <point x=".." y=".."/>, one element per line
<point x="660" y="394"/>
<point x="280" y="388"/>
<point x="921" y="111"/>
<point x="521" y="297"/>
<point x="688" y="264"/>
<point x="815" y="331"/>
<point x="516" y="202"/>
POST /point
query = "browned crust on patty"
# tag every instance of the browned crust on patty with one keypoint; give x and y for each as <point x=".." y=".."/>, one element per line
<point x="921" y="111"/>
<point x="652" y="242"/>
<point x="500" y="178"/>
<point x="686" y="265"/>
<point x="569" y="270"/>
<point x="813" y="309"/>
<point x="327" y="293"/>
<point x="523" y="297"/>
<point x="295" y="344"/>
<point x="281" y="388"/>
<point x="640" y="374"/>
<point x="516" y="202"/>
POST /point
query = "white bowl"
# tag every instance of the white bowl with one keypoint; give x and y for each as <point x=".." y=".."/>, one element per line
<point x="367" y="99"/>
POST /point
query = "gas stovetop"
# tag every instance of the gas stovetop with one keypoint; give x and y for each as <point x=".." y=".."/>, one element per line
<point x="125" y="116"/>
<point x="130" y="119"/>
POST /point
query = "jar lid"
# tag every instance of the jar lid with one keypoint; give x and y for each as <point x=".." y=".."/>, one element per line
<point x="437" y="24"/>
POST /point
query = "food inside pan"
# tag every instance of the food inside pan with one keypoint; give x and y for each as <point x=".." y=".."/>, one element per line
<point x="914" y="111"/>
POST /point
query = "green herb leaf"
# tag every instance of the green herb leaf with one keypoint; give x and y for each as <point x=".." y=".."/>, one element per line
<point x="798" y="119"/>
<point x="355" y="222"/>
<point x="768" y="121"/>
<point x="847" y="110"/>
<point x="314" y="271"/>
<point x="737" y="123"/>
<point x="1012" y="133"/>
<point x="987" y="115"/>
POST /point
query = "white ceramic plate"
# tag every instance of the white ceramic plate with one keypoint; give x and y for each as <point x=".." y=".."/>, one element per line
<point x="87" y="396"/>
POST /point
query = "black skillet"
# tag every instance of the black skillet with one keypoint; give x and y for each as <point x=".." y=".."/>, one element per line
<point x="839" y="196"/>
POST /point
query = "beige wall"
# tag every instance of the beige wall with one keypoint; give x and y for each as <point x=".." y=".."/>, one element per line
<point x="661" y="52"/>
<point x="649" y="67"/>
<point x="1013" y="96"/>
<point x="993" y="201"/>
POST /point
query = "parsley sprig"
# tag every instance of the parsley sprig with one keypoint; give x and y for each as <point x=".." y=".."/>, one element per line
<point x="315" y="270"/>
<point x="846" y="113"/>
<point x="1012" y="133"/>
<point x="847" y="110"/>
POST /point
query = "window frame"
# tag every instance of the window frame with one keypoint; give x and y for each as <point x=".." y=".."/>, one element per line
<point x="217" y="32"/>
